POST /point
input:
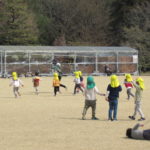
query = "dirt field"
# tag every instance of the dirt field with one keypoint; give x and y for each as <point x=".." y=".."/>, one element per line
<point x="45" y="122"/>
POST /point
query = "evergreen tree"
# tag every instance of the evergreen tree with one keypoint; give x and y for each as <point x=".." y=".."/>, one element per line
<point x="130" y="27"/>
<point x="16" y="24"/>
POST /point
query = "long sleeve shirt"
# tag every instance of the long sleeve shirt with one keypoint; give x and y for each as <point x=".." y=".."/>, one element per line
<point x="113" y="93"/>
<point x="138" y="92"/>
<point x="136" y="133"/>
<point x="16" y="83"/>
<point x="90" y="94"/>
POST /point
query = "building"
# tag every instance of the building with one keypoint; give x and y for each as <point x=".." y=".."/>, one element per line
<point x="88" y="59"/>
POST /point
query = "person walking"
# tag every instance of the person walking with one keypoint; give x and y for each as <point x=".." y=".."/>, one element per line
<point x="128" y="84"/>
<point x="139" y="86"/>
<point x="112" y="96"/>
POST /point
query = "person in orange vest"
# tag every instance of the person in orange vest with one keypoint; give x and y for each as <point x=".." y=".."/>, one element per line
<point x="56" y="83"/>
<point x="36" y="80"/>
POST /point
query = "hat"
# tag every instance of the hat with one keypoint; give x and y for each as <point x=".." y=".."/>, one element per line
<point x="56" y="76"/>
<point x="58" y="64"/>
<point x="141" y="82"/>
<point x="14" y="75"/>
<point x="128" y="78"/>
<point x="76" y="73"/>
<point x="80" y="73"/>
<point x="114" y="81"/>
<point x="90" y="82"/>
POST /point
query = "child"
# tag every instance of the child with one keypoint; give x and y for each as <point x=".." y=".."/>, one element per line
<point x="56" y="83"/>
<point x="36" y="81"/>
<point x="138" y="134"/>
<point x="16" y="83"/>
<point x="112" y="96"/>
<point x="90" y="97"/>
<point x="59" y="71"/>
<point x="77" y="82"/>
<point x="81" y="81"/>
<point x="128" y="85"/>
<point x="139" y="85"/>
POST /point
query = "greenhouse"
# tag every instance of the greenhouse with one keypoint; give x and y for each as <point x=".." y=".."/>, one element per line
<point x="88" y="59"/>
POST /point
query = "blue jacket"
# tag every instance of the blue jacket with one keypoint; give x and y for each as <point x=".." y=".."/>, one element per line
<point x="113" y="92"/>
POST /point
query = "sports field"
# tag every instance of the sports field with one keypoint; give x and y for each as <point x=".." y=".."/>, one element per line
<point x="45" y="122"/>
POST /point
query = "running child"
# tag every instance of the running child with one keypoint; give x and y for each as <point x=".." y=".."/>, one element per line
<point x="56" y="83"/>
<point x="16" y="83"/>
<point x="128" y="84"/>
<point x="77" y="82"/>
<point x="36" y="80"/>
<point x="139" y="86"/>
<point x="81" y="81"/>
<point x="112" y="96"/>
<point x="57" y="68"/>
<point x="90" y="97"/>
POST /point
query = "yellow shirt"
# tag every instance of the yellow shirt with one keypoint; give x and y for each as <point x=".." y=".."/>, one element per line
<point x="56" y="82"/>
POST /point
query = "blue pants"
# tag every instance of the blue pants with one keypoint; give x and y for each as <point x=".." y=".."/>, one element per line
<point x="113" y="105"/>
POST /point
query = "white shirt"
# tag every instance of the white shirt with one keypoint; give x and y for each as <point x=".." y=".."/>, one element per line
<point x="77" y="80"/>
<point x="16" y="83"/>
<point x="90" y="94"/>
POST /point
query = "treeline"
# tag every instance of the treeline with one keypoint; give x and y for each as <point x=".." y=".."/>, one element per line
<point x="78" y="22"/>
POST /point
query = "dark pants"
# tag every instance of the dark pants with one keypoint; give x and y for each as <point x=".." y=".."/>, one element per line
<point x="146" y="134"/>
<point x="89" y="103"/>
<point x="77" y="86"/>
<point x="113" y="105"/>
<point x="129" y="93"/>
<point x="62" y="85"/>
<point x="56" y="89"/>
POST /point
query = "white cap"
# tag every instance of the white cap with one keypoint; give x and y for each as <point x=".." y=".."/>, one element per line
<point x="58" y="64"/>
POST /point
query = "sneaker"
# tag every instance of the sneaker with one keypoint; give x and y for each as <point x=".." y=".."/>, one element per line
<point x="114" y="120"/>
<point x="110" y="119"/>
<point x="141" y="119"/>
<point x="94" y="118"/>
<point x="83" y="118"/>
<point x="132" y="118"/>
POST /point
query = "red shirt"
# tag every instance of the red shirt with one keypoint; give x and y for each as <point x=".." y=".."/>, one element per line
<point x="128" y="85"/>
<point x="36" y="81"/>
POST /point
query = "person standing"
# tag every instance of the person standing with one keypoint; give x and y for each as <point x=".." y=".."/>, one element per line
<point x="139" y="86"/>
<point x="36" y="81"/>
<point x="112" y="96"/>
<point x="90" y="97"/>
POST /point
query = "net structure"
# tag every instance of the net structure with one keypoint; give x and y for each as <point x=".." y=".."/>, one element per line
<point x="88" y="59"/>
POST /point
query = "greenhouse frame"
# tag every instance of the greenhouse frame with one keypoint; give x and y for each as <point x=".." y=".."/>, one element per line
<point x="88" y="59"/>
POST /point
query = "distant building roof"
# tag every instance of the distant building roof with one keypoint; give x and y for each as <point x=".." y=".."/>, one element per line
<point x="63" y="49"/>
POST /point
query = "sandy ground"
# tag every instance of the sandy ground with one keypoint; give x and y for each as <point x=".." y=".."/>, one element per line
<point x="45" y="122"/>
